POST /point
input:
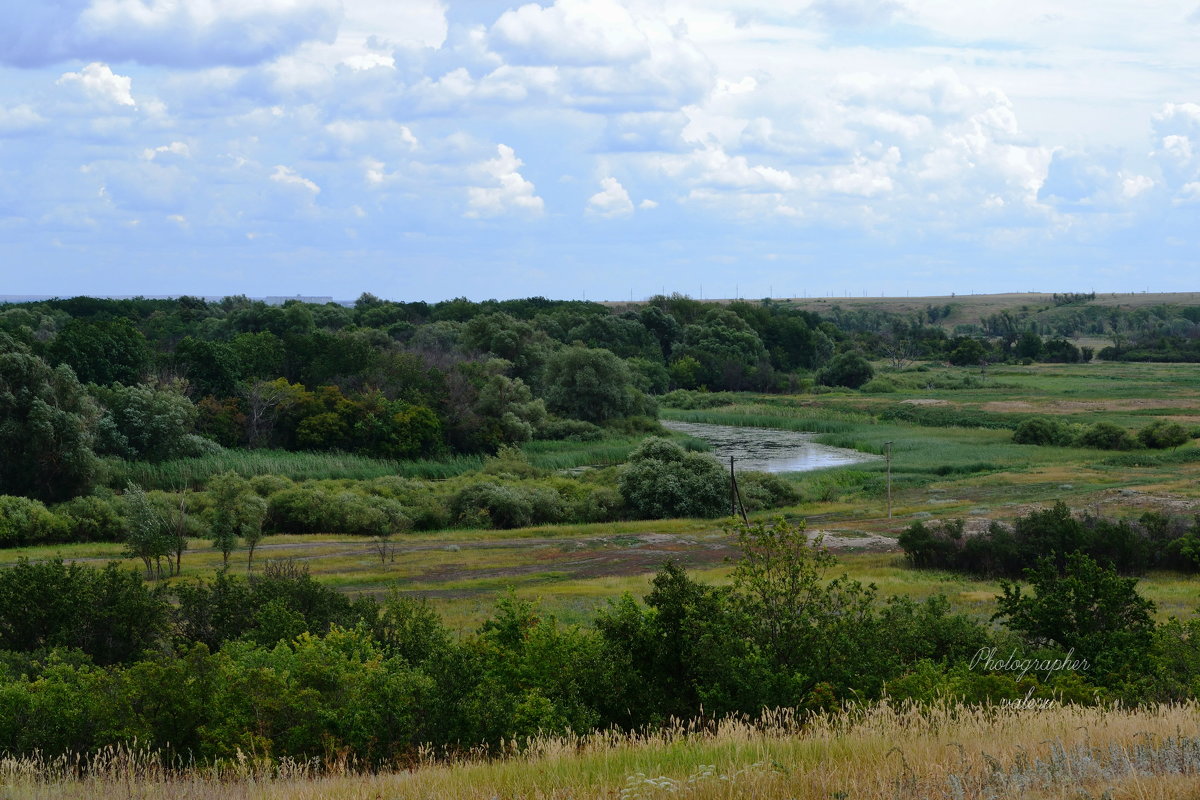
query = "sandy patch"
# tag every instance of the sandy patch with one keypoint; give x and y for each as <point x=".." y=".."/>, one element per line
<point x="925" y="401"/>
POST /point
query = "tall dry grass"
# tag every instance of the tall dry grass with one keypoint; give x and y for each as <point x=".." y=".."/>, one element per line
<point x="875" y="753"/>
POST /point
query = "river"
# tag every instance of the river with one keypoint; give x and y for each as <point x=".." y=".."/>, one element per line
<point x="769" y="449"/>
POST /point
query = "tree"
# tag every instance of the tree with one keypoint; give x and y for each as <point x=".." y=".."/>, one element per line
<point x="1086" y="607"/>
<point x="143" y="422"/>
<point x="151" y="536"/>
<point x="47" y="427"/>
<point x="661" y="480"/>
<point x="237" y="511"/>
<point x="103" y="352"/>
<point x="591" y="384"/>
<point x="1161" y="434"/>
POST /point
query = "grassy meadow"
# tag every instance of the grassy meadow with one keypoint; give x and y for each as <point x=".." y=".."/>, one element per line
<point x="879" y="752"/>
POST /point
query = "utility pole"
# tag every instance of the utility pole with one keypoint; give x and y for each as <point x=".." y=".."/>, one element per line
<point x="888" y="445"/>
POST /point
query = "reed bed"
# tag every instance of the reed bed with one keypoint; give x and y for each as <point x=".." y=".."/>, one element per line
<point x="879" y="752"/>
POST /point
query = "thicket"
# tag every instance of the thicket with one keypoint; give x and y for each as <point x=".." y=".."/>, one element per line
<point x="1130" y="547"/>
<point x="1158" y="435"/>
<point x="661" y="479"/>
<point x="279" y="665"/>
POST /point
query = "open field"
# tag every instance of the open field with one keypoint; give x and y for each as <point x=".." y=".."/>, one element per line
<point x="875" y="753"/>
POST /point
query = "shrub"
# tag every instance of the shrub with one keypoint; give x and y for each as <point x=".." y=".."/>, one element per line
<point x="1042" y="431"/>
<point x="693" y="399"/>
<point x="92" y="519"/>
<point x="663" y="480"/>
<point x="24" y="522"/>
<point x="1106" y="436"/>
<point x="935" y="545"/>
<point x="1160" y="434"/>
<point x="575" y="430"/>
<point x="500" y="505"/>
<point x="267" y="485"/>
<point x="847" y="369"/>
<point x="308" y="509"/>
<point x="762" y="490"/>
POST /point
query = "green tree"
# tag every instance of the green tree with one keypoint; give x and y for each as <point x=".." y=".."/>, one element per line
<point x="1086" y="607"/>
<point x="105" y="351"/>
<point x="237" y="512"/>
<point x="143" y="422"/>
<point x="151" y="533"/>
<point x="47" y="425"/>
<point x="591" y="384"/>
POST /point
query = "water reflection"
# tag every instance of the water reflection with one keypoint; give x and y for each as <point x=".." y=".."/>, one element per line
<point x="769" y="449"/>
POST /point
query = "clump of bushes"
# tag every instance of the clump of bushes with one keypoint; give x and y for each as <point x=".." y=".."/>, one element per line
<point x="691" y="399"/>
<point x="1159" y="435"/>
<point x="25" y="522"/>
<point x="1130" y="547"/>
<point x="849" y="369"/>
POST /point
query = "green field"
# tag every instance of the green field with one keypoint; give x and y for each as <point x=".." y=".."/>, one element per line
<point x="953" y="458"/>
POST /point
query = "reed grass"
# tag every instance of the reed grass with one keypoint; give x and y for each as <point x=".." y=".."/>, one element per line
<point x="877" y="752"/>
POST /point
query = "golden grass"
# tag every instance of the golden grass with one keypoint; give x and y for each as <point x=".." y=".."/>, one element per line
<point x="876" y="753"/>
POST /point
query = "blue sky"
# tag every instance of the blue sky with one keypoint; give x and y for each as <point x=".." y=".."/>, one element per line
<point x="420" y="149"/>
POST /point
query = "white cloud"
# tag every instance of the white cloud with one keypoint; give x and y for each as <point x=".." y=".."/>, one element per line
<point x="99" y="82"/>
<point x="571" y="32"/>
<point x="1135" y="185"/>
<point x="175" y="32"/>
<point x="611" y="201"/>
<point x="174" y="148"/>
<point x="19" y="119"/>
<point x="647" y="204"/>
<point x="512" y="194"/>
<point x="286" y="176"/>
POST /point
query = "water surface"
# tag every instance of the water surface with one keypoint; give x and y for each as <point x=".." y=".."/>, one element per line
<point x="768" y="449"/>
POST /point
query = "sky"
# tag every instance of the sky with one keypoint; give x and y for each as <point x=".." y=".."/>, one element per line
<point x="598" y="149"/>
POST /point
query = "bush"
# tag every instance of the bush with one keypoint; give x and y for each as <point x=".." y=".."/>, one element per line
<point x="1160" y="435"/>
<point x="575" y="430"/>
<point x="762" y="490"/>
<point x="1106" y="436"/>
<point x="1042" y="431"/>
<point x="661" y="479"/>
<point x="307" y="509"/>
<point x="689" y="399"/>
<point x="25" y="522"/>
<point x="847" y="369"/>
<point x="92" y="519"/>
<point x="493" y="505"/>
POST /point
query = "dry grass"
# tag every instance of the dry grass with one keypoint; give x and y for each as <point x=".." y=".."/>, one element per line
<point x="876" y="753"/>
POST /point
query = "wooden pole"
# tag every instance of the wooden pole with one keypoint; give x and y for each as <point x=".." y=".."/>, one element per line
<point x="888" y="445"/>
<point x="732" y="491"/>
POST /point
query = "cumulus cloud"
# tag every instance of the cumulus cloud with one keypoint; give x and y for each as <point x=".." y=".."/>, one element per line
<point x="508" y="191"/>
<point x="575" y="32"/>
<point x="98" y="82"/>
<point x="611" y="201"/>
<point x="173" y="32"/>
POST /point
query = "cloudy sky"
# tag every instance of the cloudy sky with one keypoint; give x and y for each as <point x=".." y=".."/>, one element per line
<point x="424" y="149"/>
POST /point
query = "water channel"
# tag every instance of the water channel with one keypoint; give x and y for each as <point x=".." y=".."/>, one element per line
<point x="769" y="449"/>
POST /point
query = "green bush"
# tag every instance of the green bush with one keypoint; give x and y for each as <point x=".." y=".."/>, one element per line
<point x="92" y="519"/>
<point x="1106" y="436"/>
<point x="664" y="480"/>
<point x="312" y="509"/>
<point x="1042" y="431"/>
<point x="575" y="430"/>
<point x="847" y="369"/>
<point x="1160" y="434"/>
<point x="693" y="399"/>
<point x="25" y="522"/>
<point x="879" y="386"/>
<point x="762" y="490"/>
